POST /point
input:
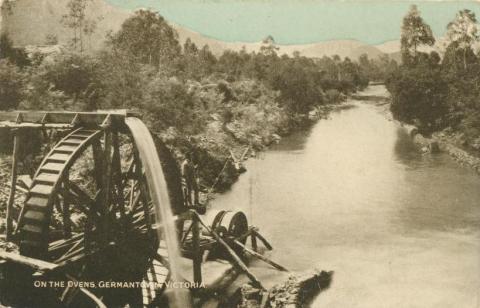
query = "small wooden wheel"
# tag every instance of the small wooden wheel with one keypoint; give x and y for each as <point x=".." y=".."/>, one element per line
<point x="236" y="224"/>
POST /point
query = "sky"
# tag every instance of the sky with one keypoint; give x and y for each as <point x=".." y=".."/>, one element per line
<point x="300" y="21"/>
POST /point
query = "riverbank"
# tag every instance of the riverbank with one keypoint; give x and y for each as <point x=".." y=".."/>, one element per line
<point x="446" y="141"/>
<point x="354" y="168"/>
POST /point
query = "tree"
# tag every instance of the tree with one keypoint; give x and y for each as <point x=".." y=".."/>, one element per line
<point x="148" y="38"/>
<point x="168" y="103"/>
<point x="16" y="56"/>
<point x="419" y="96"/>
<point x="269" y="47"/>
<point x="189" y="48"/>
<point x="233" y="63"/>
<point x="463" y="31"/>
<point x="66" y="81"/>
<point x="11" y="85"/>
<point x="415" y="32"/>
<point x="122" y="80"/>
<point x="6" y="47"/>
<point x="76" y="19"/>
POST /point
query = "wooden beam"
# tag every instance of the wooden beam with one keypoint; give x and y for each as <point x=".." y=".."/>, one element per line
<point x="4" y="124"/>
<point x="197" y="256"/>
<point x="65" y="117"/>
<point x="117" y="174"/>
<point x="253" y="238"/>
<point x="13" y="183"/>
<point x="36" y="264"/>
<point x="261" y="257"/>
<point x="262" y="239"/>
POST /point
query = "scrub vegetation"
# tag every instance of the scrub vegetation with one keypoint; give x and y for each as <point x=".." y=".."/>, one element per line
<point x="188" y="97"/>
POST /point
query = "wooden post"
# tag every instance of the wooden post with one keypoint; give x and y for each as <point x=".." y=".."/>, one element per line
<point x="98" y="163"/>
<point x="107" y="176"/>
<point x="197" y="256"/>
<point x="117" y="173"/>
<point x="13" y="181"/>
<point x="104" y="205"/>
<point x="262" y="239"/>
<point x="254" y="242"/>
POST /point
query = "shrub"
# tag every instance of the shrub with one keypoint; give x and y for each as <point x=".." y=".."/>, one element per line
<point x="11" y="85"/>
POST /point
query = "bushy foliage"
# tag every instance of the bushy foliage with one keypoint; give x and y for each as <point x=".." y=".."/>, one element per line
<point x="236" y="100"/>
<point x="14" y="55"/>
<point x="415" y="33"/>
<point x="11" y="85"/>
<point x="377" y="69"/>
<point x="167" y="103"/>
<point x="148" y="38"/>
<point x="66" y="81"/>
<point x="419" y="96"/>
<point x="437" y="93"/>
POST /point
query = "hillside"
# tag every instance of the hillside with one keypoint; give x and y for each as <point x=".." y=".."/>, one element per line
<point x="344" y="48"/>
<point x="29" y="22"/>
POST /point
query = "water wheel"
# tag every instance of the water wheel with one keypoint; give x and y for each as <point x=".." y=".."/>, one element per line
<point x="229" y="225"/>
<point x="232" y="224"/>
<point x="90" y="210"/>
<point x="236" y="223"/>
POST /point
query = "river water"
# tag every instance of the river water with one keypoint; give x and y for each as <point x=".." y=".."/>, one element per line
<point x="352" y="195"/>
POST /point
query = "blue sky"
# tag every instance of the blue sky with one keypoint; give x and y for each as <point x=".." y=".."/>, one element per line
<point x="300" y="21"/>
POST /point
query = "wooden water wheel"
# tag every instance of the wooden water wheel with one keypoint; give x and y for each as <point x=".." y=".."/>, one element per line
<point x="89" y="210"/>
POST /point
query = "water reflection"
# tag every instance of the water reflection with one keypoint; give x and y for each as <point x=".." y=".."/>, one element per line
<point x="404" y="149"/>
<point x="296" y="142"/>
<point x="399" y="229"/>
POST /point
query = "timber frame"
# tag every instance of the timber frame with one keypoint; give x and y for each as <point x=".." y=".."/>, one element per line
<point x="118" y="213"/>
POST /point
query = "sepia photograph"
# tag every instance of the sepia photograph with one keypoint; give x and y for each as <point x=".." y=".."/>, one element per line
<point x="239" y="154"/>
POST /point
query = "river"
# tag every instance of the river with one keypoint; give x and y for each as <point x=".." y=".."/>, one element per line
<point x="352" y="195"/>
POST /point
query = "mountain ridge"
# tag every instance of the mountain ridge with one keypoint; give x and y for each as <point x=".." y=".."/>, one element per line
<point x="28" y="22"/>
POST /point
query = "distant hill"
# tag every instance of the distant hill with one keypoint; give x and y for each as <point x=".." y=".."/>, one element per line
<point x="389" y="47"/>
<point x="29" y="22"/>
<point x="344" y="48"/>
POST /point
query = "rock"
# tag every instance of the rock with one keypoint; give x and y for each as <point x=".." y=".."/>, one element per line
<point x="297" y="291"/>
